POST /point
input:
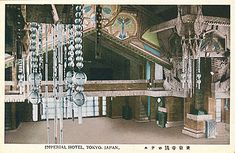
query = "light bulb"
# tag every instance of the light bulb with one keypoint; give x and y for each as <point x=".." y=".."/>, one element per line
<point x="76" y="40"/>
<point x="79" y="99"/>
<point x="70" y="59"/>
<point x="78" y="14"/>
<point x="33" y="42"/>
<point x="71" y="47"/>
<point x="79" y="65"/>
<point x="34" y="97"/>
<point x="33" y="24"/>
<point x="81" y="78"/>
<point x="79" y="58"/>
<point x="33" y="36"/>
<point x="77" y="33"/>
<point x="79" y="52"/>
<point x="78" y="8"/>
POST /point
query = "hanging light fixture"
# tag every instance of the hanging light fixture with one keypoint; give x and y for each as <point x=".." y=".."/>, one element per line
<point x="34" y="77"/>
<point x="55" y="81"/>
<point x="40" y="53"/>
<point x="60" y="78"/>
<point x="79" y="77"/>
<point x="70" y="68"/>
<point x="46" y="87"/>
<point x="71" y="73"/>
<point x="98" y="32"/>
<point x="74" y="77"/>
<point x="19" y="48"/>
<point x="65" y="67"/>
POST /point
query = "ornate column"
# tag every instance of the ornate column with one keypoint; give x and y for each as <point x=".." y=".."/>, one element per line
<point x="193" y="78"/>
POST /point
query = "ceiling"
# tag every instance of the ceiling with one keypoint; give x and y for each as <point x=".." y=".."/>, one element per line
<point x="153" y="14"/>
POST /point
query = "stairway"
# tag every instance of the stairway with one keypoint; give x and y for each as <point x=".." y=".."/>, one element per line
<point x="142" y="113"/>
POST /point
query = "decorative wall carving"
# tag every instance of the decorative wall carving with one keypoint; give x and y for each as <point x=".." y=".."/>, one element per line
<point x="109" y="14"/>
<point x="89" y="21"/>
<point x="171" y="82"/>
<point x="124" y="26"/>
<point x="175" y="44"/>
<point x="194" y="36"/>
<point x="221" y="69"/>
<point x="222" y="87"/>
<point x="213" y="42"/>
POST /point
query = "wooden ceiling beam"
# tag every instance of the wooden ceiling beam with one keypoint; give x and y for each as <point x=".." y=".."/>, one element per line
<point x="119" y="49"/>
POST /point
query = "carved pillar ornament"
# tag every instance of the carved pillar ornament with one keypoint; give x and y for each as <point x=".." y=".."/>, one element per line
<point x="199" y="22"/>
<point x="191" y="32"/>
<point x="198" y="74"/>
<point x="184" y="60"/>
<point x="179" y="22"/>
<point x="199" y="28"/>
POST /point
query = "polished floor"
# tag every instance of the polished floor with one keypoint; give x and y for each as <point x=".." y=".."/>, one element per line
<point x="104" y="130"/>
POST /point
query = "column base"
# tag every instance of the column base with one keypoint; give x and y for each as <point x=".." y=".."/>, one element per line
<point x="193" y="133"/>
<point x="194" y="125"/>
<point x="174" y="124"/>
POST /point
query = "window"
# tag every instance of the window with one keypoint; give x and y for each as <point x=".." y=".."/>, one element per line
<point x="89" y="109"/>
<point x="103" y="105"/>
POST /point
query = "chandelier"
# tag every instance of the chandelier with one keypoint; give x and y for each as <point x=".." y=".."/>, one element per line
<point x="66" y="43"/>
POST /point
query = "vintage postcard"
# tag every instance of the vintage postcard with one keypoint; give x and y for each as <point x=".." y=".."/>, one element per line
<point x="110" y="76"/>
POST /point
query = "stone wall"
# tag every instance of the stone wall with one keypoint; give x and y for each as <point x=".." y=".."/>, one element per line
<point x="175" y="109"/>
<point x="194" y="125"/>
<point x="201" y="95"/>
<point x="153" y="109"/>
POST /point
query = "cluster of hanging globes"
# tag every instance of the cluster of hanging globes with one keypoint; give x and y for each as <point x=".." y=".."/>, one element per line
<point x="73" y="79"/>
<point x="79" y="77"/>
<point x="40" y="46"/>
<point x="71" y="48"/>
<point x="34" y="77"/>
<point x="78" y="36"/>
<point x="34" y="59"/>
<point x="76" y="79"/>
<point x="79" y="80"/>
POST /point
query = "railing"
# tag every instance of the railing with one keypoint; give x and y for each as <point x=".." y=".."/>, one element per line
<point x="91" y="88"/>
<point x="100" y="85"/>
<point x="108" y="88"/>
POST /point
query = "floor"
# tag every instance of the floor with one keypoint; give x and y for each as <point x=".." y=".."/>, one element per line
<point x="104" y="130"/>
